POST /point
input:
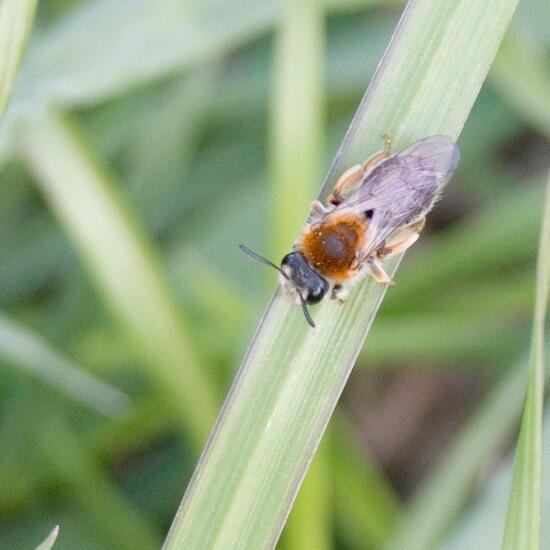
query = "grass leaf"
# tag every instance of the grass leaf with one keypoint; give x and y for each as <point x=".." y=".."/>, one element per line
<point x="522" y="530"/>
<point x="49" y="541"/>
<point x="292" y="376"/>
<point x="123" y="267"/>
<point x="29" y="352"/>
<point x="16" y="18"/>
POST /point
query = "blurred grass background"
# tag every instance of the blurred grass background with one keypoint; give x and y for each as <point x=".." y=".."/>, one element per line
<point x="170" y="109"/>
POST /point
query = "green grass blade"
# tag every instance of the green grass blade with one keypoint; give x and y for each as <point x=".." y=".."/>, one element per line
<point x="522" y="530"/>
<point x="49" y="541"/>
<point x="26" y="350"/>
<point x="292" y="376"/>
<point x="16" y="18"/>
<point x="123" y="267"/>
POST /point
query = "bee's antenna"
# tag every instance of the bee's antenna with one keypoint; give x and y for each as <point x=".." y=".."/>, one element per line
<point x="265" y="261"/>
<point x="306" y="313"/>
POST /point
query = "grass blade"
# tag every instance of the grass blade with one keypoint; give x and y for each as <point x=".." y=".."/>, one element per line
<point x="522" y="530"/>
<point x="292" y="376"/>
<point x="16" y="18"/>
<point x="49" y="541"/>
<point x="123" y="267"/>
<point x="28" y="351"/>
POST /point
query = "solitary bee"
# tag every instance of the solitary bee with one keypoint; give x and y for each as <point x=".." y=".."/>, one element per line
<point x="376" y="210"/>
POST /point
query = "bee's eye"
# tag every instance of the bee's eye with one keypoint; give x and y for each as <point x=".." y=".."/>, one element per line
<point x="316" y="293"/>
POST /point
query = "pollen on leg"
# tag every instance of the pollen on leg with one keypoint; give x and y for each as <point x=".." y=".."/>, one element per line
<point x="331" y="246"/>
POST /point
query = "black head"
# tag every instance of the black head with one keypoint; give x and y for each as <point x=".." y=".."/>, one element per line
<point x="298" y="278"/>
<point x="305" y="281"/>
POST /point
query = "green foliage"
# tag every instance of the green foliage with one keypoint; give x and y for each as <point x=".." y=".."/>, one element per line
<point x="523" y="523"/>
<point x="123" y="267"/>
<point x="143" y="141"/>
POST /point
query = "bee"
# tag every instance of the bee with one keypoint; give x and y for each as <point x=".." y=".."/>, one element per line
<point x="377" y="210"/>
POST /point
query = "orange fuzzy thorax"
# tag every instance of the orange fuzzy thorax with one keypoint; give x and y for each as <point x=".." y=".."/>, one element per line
<point x="331" y="246"/>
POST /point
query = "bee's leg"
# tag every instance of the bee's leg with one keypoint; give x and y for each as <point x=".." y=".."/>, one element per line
<point x="354" y="175"/>
<point x="348" y="180"/>
<point x="318" y="209"/>
<point x="376" y="271"/>
<point x="401" y="240"/>
<point x="369" y="164"/>
<point x="340" y="293"/>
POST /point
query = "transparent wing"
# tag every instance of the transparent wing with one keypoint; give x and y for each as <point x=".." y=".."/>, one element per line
<point x="402" y="189"/>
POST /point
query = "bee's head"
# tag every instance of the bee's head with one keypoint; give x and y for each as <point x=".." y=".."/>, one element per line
<point x="298" y="279"/>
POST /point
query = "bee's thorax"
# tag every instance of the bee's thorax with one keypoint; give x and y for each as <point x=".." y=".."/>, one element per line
<point x="331" y="246"/>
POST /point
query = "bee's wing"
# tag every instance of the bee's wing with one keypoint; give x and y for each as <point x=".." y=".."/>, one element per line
<point x="402" y="189"/>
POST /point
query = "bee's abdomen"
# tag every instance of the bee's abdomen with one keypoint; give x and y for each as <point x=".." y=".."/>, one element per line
<point x="330" y="247"/>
